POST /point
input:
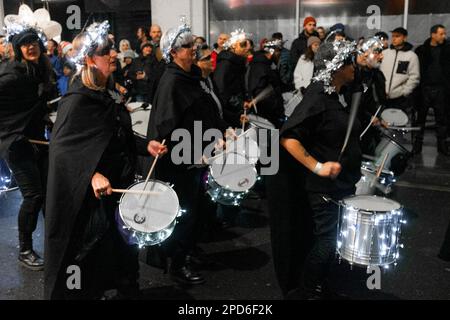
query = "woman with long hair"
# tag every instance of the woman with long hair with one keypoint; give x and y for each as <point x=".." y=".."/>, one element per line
<point x="93" y="148"/>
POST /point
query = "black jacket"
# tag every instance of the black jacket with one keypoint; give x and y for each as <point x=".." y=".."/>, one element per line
<point x="260" y="76"/>
<point x="299" y="47"/>
<point x="229" y="78"/>
<point x="147" y="65"/>
<point x="22" y="105"/>
<point x="425" y="58"/>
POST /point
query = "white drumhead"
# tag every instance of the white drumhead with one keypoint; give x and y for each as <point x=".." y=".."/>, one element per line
<point x="395" y="117"/>
<point x="139" y="121"/>
<point x="238" y="174"/>
<point x="260" y="122"/>
<point x="247" y="147"/>
<point x="372" y="203"/>
<point x="159" y="210"/>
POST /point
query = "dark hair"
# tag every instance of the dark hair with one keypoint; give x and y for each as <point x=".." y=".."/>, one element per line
<point x="277" y="35"/>
<point x="201" y="38"/>
<point x="144" y="30"/>
<point x="382" y="35"/>
<point x="309" y="54"/>
<point x="436" y="27"/>
<point x="55" y="51"/>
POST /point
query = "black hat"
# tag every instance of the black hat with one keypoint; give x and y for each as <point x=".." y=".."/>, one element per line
<point x="382" y="35"/>
<point x="25" y="37"/>
<point x="400" y="30"/>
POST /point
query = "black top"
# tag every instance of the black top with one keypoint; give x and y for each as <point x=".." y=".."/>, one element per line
<point x="22" y="104"/>
<point x="229" y="79"/>
<point x="260" y="76"/>
<point x="434" y="74"/>
<point x="142" y="64"/>
<point x="181" y="100"/>
<point x="320" y="124"/>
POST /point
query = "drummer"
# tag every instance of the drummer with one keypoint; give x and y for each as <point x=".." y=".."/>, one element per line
<point x="92" y="150"/>
<point x="181" y="102"/>
<point x="314" y="136"/>
<point x="371" y="82"/>
<point x="261" y="75"/>
<point x="26" y="84"/>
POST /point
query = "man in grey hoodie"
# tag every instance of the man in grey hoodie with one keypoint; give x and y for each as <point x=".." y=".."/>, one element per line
<point x="401" y="69"/>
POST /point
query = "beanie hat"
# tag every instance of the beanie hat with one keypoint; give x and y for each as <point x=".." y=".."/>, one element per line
<point x="308" y="20"/>
<point x="313" y="39"/>
<point x="65" y="47"/>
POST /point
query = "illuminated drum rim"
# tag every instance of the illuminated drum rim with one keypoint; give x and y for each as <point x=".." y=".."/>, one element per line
<point x="356" y="202"/>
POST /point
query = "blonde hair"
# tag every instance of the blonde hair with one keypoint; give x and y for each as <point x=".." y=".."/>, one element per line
<point x="89" y="74"/>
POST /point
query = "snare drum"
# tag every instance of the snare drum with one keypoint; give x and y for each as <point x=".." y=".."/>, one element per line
<point x="260" y="131"/>
<point x="389" y="144"/>
<point x="139" y="118"/>
<point x="369" y="231"/>
<point x="247" y="147"/>
<point x="229" y="182"/>
<point x="148" y="220"/>
<point x="366" y="186"/>
<point x="395" y="117"/>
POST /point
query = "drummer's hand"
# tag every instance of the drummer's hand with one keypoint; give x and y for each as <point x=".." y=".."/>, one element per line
<point x="219" y="146"/>
<point x="330" y="170"/>
<point x="156" y="148"/>
<point x="244" y="118"/>
<point x="384" y="124"/>
<point x="100" y="185"/>
<point x="230" y="134"/>
<point x="122" y="90"/>
<point x="248" y="105"/>
<point x="376" y="122"/>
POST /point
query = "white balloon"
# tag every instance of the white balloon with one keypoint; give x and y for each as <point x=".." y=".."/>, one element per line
<point x="42" y="15"/>
<point x="52" y="29"/>
<point x="27" y="14"/>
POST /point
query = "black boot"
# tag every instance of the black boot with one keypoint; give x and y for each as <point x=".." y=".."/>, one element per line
<point x="27" y="257"/>
<point x="443" y="148"/>
<point x="31" y="260"/>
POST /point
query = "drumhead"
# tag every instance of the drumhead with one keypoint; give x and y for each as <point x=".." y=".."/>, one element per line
<point x="149" y="213"/>
<point x="395" y="117"/>
<point x="247" y="147"/>
<point x="238" y="174"/>
<point x="139" y="121"/>
<point x="260" y="122"/>
<point x="372" y="203"/>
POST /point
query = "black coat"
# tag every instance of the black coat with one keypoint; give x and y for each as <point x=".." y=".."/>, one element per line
<point x="260" y="76"/>
<point x="299" y="47"/>
<point x="147" y="65"/>
<point x="85" y="127"/>
<point x="229" y="79"/>
<point x="22" y="105"/>
<point x="425" y="58"/>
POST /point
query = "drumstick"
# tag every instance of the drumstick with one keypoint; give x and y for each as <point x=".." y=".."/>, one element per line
<point x="42" y="143"/>
<point x="243" y="122"/>
<point x="380" y="169"/>
<point x="356" y="99"/>
<point x="254" y="105"/>
<point x="141" y="192"/>
<point x="371" y="122"/>
<point x="53" y="101"/>
<point x="152" y="168"/>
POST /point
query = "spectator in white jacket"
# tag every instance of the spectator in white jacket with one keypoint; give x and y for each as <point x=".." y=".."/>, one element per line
<point x="305" y="67"/>
<point x="401" y="69"/>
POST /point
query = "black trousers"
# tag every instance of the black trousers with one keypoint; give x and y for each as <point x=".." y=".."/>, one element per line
<point x="433" y="97"/>
<point x="29" y="164"/>
<point x="445" y="249"/>
<point x="325" y="217"/>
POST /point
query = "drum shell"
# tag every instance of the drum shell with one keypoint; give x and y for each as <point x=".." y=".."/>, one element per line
<point x="388" y="145"/>
<point x="384" y="183"/>
<point x="369" y="238"/>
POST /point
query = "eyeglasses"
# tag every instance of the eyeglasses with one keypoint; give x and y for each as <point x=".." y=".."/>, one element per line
<point x="106" y="50"/>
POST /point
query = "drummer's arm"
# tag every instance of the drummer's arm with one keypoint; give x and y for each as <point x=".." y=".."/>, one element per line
<point x="298" y="151"/>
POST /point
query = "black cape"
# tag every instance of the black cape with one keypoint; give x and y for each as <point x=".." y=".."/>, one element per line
<point x="22" y="109"/>
<point x="260" y="76"/>
<point x="82" y="131"/>
<point x="229" y="79"/>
